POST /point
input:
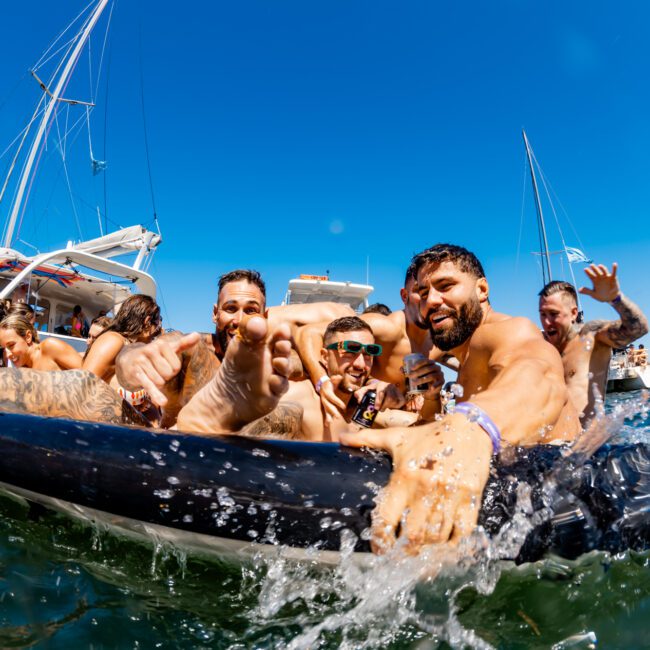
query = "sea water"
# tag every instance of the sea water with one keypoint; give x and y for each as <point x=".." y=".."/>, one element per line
<point x="67" y="585"/>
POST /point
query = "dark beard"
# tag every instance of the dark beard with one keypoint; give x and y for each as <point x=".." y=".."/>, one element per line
<point x="468" y="318"/>
<point x="223" y="338"/>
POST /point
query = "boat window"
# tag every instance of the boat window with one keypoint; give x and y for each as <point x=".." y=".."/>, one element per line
<point x="42" y="310"/>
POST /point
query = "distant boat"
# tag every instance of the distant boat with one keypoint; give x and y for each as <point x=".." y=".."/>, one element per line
<point x="624" y="376"/>
<point x="84" y="273"/>
<point x="319" y="288"/>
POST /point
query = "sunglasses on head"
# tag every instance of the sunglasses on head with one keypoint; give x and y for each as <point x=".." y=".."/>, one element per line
<point x="373" y="349"/>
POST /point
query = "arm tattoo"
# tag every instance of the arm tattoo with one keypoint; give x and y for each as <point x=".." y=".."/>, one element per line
<point x="631" y="325"/>
<point x="75" y="394"/>
<point x="285" y="421"/>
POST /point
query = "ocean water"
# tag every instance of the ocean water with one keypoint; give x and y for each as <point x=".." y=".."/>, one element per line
<point x="65" y="584"/>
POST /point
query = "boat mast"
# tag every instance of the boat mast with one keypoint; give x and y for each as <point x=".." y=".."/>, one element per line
<point x="55" y="95"/>
<point x="546" y="258"/>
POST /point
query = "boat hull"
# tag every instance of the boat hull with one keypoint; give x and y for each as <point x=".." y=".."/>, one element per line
<point x="237" y="495"/>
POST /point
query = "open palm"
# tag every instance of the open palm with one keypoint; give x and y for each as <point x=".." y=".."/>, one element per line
<point x="605" y="283"/>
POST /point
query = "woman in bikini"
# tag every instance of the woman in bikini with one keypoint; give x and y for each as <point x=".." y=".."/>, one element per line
<point x="24" y="349"/>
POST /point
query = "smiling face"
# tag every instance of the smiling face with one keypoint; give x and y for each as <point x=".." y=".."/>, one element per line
<point x="235" y="300"/>
<point x="354" y="369"/>
<point x="451" y="303"/>
<point x="18" y="348"/>
<point x="557" y="313"/>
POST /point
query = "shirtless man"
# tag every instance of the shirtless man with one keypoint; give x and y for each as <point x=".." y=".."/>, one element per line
<point x="255" y="360"/>
<point x="173" y="368"/>
<point x="400" y="333"/>
<point x="24" y="350"/>
<point x="586" y="349"/>
<point x="348" y="356"/>
<point x="514" y="394"/>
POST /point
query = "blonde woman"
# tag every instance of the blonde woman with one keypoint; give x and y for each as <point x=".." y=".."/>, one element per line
<point x="24" y="349"/>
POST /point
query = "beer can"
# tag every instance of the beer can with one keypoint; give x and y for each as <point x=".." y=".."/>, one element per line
<point x="365" y="413"/>
<point x="410" y="361"/>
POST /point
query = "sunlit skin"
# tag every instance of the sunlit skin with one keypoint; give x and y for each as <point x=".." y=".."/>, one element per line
<point x="353" y="369"/>
<point x="236" y="300"/>
<point x="20" y="351"/>
<point x="558" y="314"/>
<point x="51" y="354"/>
<point x="508" y="371"/>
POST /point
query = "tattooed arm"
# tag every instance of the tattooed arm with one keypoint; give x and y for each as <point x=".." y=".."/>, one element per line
<point x="74" y="394"/>
<point x="632" y="323"/>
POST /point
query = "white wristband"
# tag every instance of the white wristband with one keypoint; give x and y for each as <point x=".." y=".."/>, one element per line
<point x="320" y="382"/>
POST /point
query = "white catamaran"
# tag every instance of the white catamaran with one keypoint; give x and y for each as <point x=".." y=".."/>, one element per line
<point x="86" y="273"/>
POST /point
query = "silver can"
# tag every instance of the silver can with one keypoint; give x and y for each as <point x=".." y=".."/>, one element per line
<point x="410" y="361"/>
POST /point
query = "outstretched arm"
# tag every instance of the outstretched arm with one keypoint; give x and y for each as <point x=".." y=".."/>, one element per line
<point x="309" y="341"/>
<point x="74" y="394"/>
<point x="632" y="323"/>
<point x="440" y="469"/>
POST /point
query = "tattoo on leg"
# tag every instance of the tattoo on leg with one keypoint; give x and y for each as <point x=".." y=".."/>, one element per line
<point x="74" y="394"/>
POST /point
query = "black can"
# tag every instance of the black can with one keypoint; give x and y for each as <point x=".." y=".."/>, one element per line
<point x="365" y="412"/>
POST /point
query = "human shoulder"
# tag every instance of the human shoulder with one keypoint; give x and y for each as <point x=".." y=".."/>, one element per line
<point x="594" y="326"/>
<point x="501" y="332"/>
<point x="387" y="328"/>
<point x="52" y="347"/>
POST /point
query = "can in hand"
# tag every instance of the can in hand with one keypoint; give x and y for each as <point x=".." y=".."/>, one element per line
<point x="410" y="361"/>
<point x="365" y="413"/>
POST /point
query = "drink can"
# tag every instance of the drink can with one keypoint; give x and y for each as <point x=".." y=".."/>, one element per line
<point x="365" y="413"/>
<point x="410" y="361"/>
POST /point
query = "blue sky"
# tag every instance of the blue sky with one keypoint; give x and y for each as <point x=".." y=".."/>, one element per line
<point x="299" y="137"/>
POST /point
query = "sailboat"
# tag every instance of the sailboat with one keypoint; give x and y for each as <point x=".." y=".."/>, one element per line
<point x="87" y="273"/>
<point x="623" y="375"/>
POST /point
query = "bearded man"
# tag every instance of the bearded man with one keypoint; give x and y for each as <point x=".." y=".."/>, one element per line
<point x="514" y="394"/>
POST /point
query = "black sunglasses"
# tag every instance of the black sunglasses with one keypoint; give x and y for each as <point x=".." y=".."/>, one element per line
<point x="354" y="347"/>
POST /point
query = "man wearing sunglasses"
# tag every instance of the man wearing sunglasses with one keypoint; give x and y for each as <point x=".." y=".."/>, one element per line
<point x="400" y="333"/>
<point x="348" y="356"/>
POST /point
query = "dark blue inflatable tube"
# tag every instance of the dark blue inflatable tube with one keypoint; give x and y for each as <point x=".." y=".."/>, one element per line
<point x="302" y="494"/>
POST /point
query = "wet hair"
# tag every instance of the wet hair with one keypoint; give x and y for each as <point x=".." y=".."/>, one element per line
<point x="132" y="318"/>
<point x="102" y="321"/>
<point x="243" y="274"/>
<point x="378" y="308"/>
<point x="20" y="324"/>
<point x="559" y="286"/>
<point x="346" y="324"/>
<point x="22" y="309"/>
<point x="465" y="260"/>
<point x="411" y="273"/>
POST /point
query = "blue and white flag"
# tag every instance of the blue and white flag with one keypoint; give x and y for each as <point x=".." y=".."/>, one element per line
<point x="100" y="165"/>
<point x="575" y="255"/>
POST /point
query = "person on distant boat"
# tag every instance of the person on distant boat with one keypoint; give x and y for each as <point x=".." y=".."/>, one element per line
<point x="174" y="367"/>
<point x="24" y="350"/>
<point x="586" y="349"/>
<point x="137" y="321"/>
<point x="400" y="333"/>
<point x="641" y="357"/>
<point x="77" y="322"/>
<point x="514" y="394"/>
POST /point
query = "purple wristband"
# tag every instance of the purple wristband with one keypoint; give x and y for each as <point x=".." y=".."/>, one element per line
<point x="616" y="300"/>
<point x="475" y="414"/>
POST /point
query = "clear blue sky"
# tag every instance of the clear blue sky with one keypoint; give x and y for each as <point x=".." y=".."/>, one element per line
<point x="299" y="137"/>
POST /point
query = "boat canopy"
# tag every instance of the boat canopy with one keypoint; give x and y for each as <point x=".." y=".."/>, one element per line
<point x="303" y="290"/>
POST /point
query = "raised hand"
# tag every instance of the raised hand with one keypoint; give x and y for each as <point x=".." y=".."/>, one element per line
<point x="605" y="283"/>
<point x="152" y="365"/>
